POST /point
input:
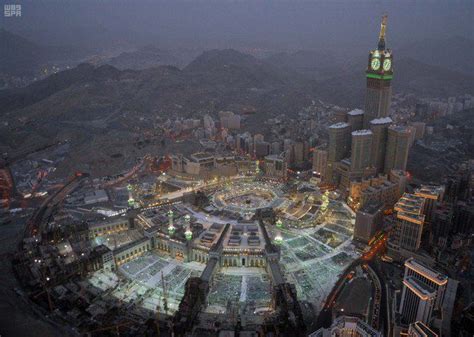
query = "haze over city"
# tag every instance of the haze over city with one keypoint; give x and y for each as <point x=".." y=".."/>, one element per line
<point x="236" y="168"/>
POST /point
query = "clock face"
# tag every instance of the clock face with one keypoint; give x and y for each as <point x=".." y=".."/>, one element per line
<point x="375" y="64"/>
<point x="387" y="64"/>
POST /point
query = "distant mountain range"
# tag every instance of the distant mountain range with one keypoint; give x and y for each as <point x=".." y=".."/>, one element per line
<point x="347" y="88"/>
<point x="21" y="57"/>
<point x="455" y="54"/>
<point x="437" y="68"/>
<point x="99" y="107"/>
<point x="18" y="55"/>
<point x="79" y="104"/>
<point x="214" y="80"/>
<point x="151" y="56"/>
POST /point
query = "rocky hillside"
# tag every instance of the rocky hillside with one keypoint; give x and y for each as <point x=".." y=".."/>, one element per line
<point x="101" y="108"/>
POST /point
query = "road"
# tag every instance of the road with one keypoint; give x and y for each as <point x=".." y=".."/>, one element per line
<point x="17" y="316"/>
<point x="37" y="220"/>
<point x="324" y="318"/>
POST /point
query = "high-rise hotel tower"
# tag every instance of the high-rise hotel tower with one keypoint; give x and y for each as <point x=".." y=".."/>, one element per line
<point x="423" y="292"/>
<point x="379" y="75"/>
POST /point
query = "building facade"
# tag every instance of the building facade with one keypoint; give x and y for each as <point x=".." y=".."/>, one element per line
<point x="361" y="148"/>
<point x="423" y="292"/>
<point x="347" y="326"/>
<point x="368" y="221"/>
<point x="398" y="145"/>
<point x="418" y="329"/>
<point x="409" y="223"/>
<point x="379" y="75"/>
<point x="379" y="128"/>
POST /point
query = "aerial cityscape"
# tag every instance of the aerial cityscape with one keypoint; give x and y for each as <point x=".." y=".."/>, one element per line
<point x="161" y="177"/>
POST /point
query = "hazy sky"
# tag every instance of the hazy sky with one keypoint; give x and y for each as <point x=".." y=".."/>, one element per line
<point x="244" y="23"/>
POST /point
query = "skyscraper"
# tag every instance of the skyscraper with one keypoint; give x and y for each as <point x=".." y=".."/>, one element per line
<point x="432" y="195"/>
<point x="355" y="118"/>
<point x="379" y="128"/>
<point x="320" y="161"/>
<point x="398" y="145"/>
<point x="409" y="223"/>
<point x="361" y="148"/>
<point x="339" y="141"/>
<point x="417" y="303"/>
<point x="423" y="291"/>
<point x="379" y="74"/>
<point x="428" y="276"/>
<point x="339" y="146"/>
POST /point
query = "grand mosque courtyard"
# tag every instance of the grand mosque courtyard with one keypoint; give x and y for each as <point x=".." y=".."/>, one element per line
<point x="312" y="233"/>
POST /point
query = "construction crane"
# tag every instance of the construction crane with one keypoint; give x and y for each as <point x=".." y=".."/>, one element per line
<point x="165" y="296"/>
<point x="110" y="327"/>
<point x="46" y="290"/>
<point x="158" y="320"/>
<point x="47" y="285"/>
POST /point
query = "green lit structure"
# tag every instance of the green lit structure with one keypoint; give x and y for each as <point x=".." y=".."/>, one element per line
<point x="171" y="228"/>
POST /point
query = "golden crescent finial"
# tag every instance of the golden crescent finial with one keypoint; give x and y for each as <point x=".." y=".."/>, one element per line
<point x="383" y="27"/>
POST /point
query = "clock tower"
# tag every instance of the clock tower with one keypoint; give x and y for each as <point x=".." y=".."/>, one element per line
<point x="379" y="75"/>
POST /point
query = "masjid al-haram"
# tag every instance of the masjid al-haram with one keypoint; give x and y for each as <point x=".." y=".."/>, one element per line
<point x="157" y="193"/>
<point x="233" y="240"/>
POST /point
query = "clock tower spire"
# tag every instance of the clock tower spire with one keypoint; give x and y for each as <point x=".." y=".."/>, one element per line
<point x="379" y="75"/>
<point x="383" y="27"/>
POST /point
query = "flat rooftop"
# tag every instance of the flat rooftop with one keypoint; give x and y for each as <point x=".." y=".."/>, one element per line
<point x="422" y="329"/>
<point x="384" y="120"/>
<point x="356" y="112"/>
<point x="361" y="133"/>
<point x="111" y="222"/>
<point x="202" y="155"/>
<point x="426" y="271"/>
<point x="429" y="191"/>
<point x="399" y="128"/>
<point x="410" y="203"/>
<point x="371" y="207"/>
<point x="244" y="236"/>
<point x="420" y="289"/>
<point x="340" y="125"/>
